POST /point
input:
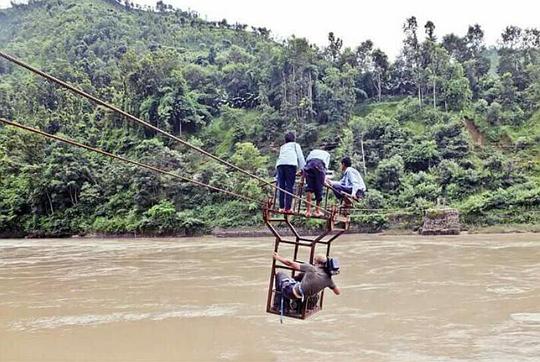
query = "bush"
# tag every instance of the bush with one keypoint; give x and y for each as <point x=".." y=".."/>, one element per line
<point x="456" y="181"/>
<point x="374" y="200"/>
<point x="375" y="222"/>
<point x="231" y="214"/>
<point x="161" y="218"/>
<point x="419" y="186"/>
<point x="389" y="173"/>
<point x="409" y="111"/>
<point x="451" y="140"/>
<point x="515" y="203"/>
<point x="190" y="223"/>
<point x="113" y="225"/>
<point x="421" y="155"/>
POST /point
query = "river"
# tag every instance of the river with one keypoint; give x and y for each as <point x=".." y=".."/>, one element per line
<point x="404" y="298"/>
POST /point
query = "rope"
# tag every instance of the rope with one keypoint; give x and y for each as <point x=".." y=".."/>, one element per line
<point x="354" y="216"/>
<point x="146" y="124"/>
<point x="123" y="159"/>
<point x="281" y="308"/>
<point x="390" y="211"/>
<point x="360" y="209"/>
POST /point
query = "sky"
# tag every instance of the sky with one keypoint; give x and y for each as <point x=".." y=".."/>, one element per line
<point x="355" y="21"/>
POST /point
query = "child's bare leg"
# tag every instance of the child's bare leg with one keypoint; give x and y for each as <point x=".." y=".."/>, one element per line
<point x="308" y="203"/>
<point x="318" y="209"/>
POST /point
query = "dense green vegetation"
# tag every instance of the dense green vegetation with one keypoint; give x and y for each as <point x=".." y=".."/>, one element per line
<point x="447" y="120"/>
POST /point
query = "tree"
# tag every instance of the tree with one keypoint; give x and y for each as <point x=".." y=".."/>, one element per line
<point x="364" y="63"/>
<point x="248" y="157"/>
<point x="336" y="94"/>
<point x="451" y="140"/>
<point x="161" y="6"/>
<point x="419" y="189"/>
<point x="422" y="155"/>
<point x="456" y="47"/>
<point x="436" y="68"/>
<point x="430" y="31"/>
<point x="511" y="52"/>
<point x="363" y="55"/>
<point x="411" y="52"/>
<point x="241" y="85"/>
<point x="474" y="41"/>
<point x="292" y="81"/>
<point x="456" y="91"/>
<point x="477" y="63"/>
<point x="334" y="47"/>
<point x="380" y="69"/>
<point x="471" y="52"/>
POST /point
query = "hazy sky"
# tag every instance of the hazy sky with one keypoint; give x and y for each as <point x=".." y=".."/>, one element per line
<point x="355" y="21"/>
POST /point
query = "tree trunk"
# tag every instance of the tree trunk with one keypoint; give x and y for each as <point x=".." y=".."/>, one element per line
<point x="295" y="93"/>
<point x="71" y="196"/>
<point x="50" y="202"/>
<point x="310" y="95"/>
<point x="363" y="155"/>
<point x="379" y="86"/>
<point x="310" y="88"/>
<point x="434" y="96"/>
<point x="284" y="86"/>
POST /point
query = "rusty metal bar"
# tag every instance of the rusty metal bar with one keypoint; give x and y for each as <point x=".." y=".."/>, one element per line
<point x="326" y="237"/>
<point x="272" y="277"/>
<point x="294" y="243"/>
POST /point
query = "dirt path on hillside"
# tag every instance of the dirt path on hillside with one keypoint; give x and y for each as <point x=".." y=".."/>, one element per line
<point x="477" y="136"/>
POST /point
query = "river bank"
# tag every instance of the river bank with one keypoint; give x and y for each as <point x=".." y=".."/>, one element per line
<point x="264" y="232"/>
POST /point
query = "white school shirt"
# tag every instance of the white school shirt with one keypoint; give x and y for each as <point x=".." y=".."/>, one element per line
<point x="291" y="154"/>
<point x="352" y="178"/>
<point x="321" y="155"/>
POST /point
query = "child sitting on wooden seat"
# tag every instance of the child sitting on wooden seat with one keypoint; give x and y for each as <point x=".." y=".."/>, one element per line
<point x="351" y="186"/>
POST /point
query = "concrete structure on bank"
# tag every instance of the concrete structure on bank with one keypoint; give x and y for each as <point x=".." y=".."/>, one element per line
<point x="441" y="222"/>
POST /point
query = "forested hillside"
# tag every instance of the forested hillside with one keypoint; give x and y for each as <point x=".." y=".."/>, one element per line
<point x="449" y="119"/>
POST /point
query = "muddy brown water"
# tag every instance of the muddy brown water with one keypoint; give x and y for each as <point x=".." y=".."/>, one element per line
<point x="404" y="298"/>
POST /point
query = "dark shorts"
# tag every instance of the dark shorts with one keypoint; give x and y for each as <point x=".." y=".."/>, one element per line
<point x="285" y="285"/>
<point x="315" y="173"/>
<point x="339" y="190"/>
